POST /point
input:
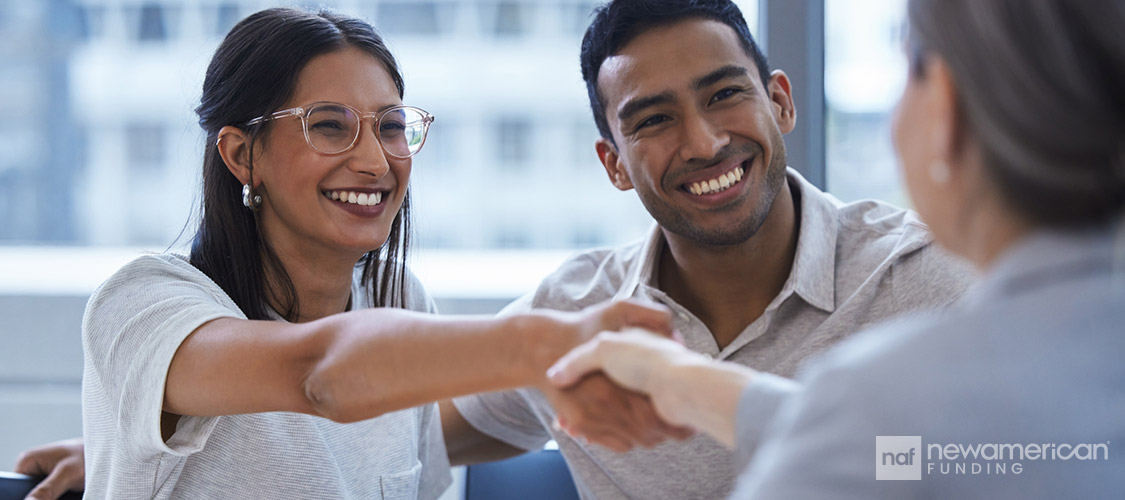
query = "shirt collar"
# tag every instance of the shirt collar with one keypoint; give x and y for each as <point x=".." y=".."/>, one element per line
<point x="1049" y="256"/>
<point x="813" y="276"/>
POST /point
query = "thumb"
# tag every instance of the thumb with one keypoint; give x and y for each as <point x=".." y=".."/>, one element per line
<point x="47" y="489"/>
<point x="574" y="365"/>
<point x="654" y="317"/>
<point x="56" y="483"/>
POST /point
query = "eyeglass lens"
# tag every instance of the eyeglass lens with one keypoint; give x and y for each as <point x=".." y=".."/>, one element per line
<point x="333" y="129"/>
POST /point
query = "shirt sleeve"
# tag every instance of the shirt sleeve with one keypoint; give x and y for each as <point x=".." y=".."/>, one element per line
<point x="930" y="278"/>
<point x="821" y="444"/>
<point x="757" y="407"/>
<point x="505" y="415"/>
<point x="133" y="325"/>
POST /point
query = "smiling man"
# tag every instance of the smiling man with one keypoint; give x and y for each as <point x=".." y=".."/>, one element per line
<point x="760" y="266"/>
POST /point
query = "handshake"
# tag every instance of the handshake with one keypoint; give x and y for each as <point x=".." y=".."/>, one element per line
<point x="637" y="387"/>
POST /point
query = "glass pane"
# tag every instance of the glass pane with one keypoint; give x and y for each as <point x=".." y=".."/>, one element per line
<point x="151" y="23"/>
<point x="864" y="71"/>
<point x="101" y="117"/>
<point x="409" y="18"/>
<point x="100" y="156"/>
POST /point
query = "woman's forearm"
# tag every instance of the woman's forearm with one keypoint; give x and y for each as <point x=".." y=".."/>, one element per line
<point x="381" y="360"/>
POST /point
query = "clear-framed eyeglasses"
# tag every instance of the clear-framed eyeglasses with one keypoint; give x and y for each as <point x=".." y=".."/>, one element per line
<point x="332" y="128"/>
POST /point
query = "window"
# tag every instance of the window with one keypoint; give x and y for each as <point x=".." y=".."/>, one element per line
<point x="864" y="71"/>
<point x="151" y="24"/>
<point x="511" y="237"/>
<point x="509" y="18"/>
<point x="145" y="145"/>
<point x="88" y="22"/>
<point x="576" y="17"/>
<point x="441" y="142"/>
<point x="501" y="76"/>
<point x="408" y="18"/>
<point x="583" y="134"/>
<point x="226" y="16"/>
<point x="514" y="136"/>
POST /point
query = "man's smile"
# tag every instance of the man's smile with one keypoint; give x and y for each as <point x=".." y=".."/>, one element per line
<point x="717" y="184"/>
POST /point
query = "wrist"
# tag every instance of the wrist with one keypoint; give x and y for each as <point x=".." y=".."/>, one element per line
<point x="541" y="340"/>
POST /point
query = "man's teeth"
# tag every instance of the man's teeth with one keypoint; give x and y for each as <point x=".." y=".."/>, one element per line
<point x="718" y="184"/>
<point x="356" y="198"/>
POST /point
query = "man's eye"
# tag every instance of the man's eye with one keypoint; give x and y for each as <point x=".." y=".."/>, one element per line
<point x="724" y="94"/>
<point x="652" y="120"/>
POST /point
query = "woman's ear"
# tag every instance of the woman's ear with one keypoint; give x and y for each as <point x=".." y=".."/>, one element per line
<point x="234" y="147"/>
<point x="947" y="120"/>
<point x="607" y="153"/>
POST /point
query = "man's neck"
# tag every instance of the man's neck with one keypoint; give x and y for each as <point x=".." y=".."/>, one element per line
<point x="729" y="287"/>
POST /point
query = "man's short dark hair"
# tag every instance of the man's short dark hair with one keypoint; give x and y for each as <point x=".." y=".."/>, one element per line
<point x="620" y="21"/>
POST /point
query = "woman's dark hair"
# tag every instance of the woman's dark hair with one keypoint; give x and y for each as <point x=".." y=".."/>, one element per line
<point x="620" y="21"/>
<point x="1040" y="85"/>
<point x="253" y="73"/>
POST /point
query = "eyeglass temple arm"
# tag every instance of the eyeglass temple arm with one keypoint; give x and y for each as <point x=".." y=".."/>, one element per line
<point x="280" y="114"/>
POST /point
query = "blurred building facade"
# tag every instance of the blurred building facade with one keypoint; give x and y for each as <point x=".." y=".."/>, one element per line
<point x="107" y="151"/>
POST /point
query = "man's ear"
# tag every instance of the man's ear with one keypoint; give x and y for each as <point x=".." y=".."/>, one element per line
<point x="607" y="153"/>
<point x="781" y="95"/>
<point x="234" y="148"/>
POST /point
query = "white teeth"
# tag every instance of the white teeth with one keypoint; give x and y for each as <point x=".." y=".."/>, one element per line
<point x="362" y="199"/>
<point x="721" y="183"/>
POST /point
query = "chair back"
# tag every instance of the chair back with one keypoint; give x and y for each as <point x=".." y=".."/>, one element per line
<point x="542" y="475"/>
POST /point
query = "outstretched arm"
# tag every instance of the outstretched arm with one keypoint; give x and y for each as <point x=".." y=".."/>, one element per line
<point x="686" y="388"/>
<point x="361" y="364"/>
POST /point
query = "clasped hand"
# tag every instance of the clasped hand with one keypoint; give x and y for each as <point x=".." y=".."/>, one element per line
<point x="589" y="405"/>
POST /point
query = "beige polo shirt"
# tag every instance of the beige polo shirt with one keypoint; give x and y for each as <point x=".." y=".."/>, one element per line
<point x="856" y="264"/>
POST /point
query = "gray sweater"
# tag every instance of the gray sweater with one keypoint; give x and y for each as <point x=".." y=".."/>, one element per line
<point x="1020" y="393"/>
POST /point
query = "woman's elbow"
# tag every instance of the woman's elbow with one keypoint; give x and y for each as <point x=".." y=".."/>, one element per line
<point x="335" y="393"/>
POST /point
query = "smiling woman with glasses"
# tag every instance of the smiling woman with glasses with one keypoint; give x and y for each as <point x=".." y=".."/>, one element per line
<point x="291" y="354"/>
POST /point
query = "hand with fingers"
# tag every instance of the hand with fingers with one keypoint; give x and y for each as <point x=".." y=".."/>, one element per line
<point x="597" y="410"/>
<point x="64" y="464"/>
<point x="664" y="370"/>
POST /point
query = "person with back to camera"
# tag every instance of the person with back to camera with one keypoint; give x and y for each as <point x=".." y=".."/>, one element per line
<point x="257" y="365"/>
<point x="1011" y="136"/>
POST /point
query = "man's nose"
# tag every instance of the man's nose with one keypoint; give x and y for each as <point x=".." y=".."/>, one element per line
<point x="702" y="139"/>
